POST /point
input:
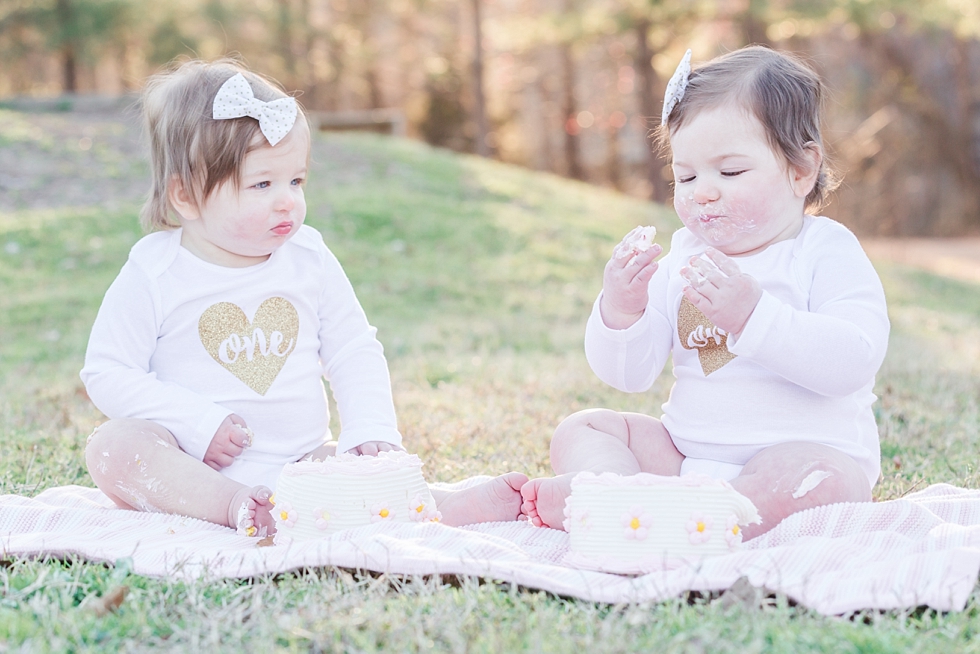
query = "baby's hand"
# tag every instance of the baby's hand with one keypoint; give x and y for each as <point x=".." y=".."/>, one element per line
<point x="371" y="448"/>
<point x="625" y="287"/>
<point x="723" y="293"/>
<point x="229" y="441"/>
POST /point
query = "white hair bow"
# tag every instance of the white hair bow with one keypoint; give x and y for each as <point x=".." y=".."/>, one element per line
<point x="676" y="87"/>
<point x="235" y="99"/>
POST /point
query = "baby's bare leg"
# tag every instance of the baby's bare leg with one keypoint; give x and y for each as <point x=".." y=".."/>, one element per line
<point x="598" y="440"/>
<point x="790" y="477"/>
<point x="138" y="464"/>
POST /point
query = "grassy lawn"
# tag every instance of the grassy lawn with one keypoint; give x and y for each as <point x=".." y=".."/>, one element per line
<point x="479" y="277"/>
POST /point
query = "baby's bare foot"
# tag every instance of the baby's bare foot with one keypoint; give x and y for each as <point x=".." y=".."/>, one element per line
<point x="496" y="500"/>
<point x="544" y="500"/>
<point x="250" y="512"/>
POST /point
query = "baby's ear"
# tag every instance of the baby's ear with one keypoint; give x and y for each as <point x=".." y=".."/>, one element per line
<point x="182" y="200"/>
<point x="804" y="177"/>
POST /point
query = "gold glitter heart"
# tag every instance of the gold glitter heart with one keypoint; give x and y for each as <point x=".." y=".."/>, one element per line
<point x="254" y="351"/>
<point x="696" y="332"/>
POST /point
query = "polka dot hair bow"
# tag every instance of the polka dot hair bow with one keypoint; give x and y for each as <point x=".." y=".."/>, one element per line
<point x="235" y="99"/>
<point x="676" y="87"/>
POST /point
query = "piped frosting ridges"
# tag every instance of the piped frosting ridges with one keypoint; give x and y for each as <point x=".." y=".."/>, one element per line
<point x="317" y="498"/>
<point x="354" y="464"/>
<point x="644" y="522"/>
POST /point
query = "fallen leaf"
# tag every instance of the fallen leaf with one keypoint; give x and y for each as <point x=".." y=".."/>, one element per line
<point x="109" y="602"/>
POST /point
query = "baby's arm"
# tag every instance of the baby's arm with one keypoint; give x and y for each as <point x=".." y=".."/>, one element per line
<point x="353" y="362"/>
<point x="836" y="346"/>
<point x="625" y="284"/>
<point x="117" y="362"/>
<point x="630" y="359"/>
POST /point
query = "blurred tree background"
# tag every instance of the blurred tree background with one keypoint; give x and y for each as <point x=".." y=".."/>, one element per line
<point x="569" y="86"/>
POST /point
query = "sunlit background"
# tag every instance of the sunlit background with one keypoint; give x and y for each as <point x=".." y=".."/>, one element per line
<point x="568" y="86"/>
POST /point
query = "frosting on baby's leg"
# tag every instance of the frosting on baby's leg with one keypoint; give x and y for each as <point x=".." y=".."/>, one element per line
<point x="789" y="477"/>
<point x="139" y="465"/>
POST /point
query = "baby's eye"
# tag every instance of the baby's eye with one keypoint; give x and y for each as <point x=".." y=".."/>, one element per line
<point x="731" y="173"/>
<point x="299" y="181"/>
<point x="686" y="179"/>
<point x="262" y="185"/>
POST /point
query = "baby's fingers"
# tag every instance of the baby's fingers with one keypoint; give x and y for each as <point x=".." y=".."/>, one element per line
<point x="219" y="460"/>
<point x="725" y="263"/>
<point x="642" y="278"/>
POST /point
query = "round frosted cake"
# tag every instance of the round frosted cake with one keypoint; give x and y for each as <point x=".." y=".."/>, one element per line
<point x="644" y="522"/>
<point x="316" y="498"/>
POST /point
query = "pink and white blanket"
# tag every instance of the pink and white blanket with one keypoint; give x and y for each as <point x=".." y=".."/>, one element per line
<point x="923" y="549"/>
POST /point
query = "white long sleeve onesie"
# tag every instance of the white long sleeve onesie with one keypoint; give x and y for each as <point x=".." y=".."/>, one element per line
<point x="185" y="343"/>
<point x="802" y="369"/>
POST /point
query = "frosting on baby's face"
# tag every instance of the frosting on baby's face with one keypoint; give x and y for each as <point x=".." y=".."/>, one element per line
<point x="731" y="190"/>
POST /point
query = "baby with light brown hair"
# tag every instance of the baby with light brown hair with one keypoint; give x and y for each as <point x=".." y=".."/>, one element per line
<point x="211" y="346"/>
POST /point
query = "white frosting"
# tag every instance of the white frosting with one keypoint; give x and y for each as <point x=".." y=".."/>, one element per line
<point x="647" y="522"/>
<point x="318" y="498"/>
<point x="811" y="481"/>
<point x="646" y="479"/>
<point x="355" y="464"/>
<point x="640" y="239"/>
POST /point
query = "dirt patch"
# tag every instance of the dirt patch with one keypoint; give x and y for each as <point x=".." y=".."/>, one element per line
<point x="957" y="258"/>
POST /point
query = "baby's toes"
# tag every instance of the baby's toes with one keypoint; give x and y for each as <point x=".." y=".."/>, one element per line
<point x="245" y="518"/>
<point x="530" y="509"/>
<point x="262" y="520"/>
<point x="260" y="495"/>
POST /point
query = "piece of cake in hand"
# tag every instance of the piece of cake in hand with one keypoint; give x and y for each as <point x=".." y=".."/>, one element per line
<point x="640" y="239"/>
<point x="640" y="523"/>
<point x="317" y="498"/>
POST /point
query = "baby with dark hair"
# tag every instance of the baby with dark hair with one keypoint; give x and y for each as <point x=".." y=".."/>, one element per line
<point x="773" y="315"/>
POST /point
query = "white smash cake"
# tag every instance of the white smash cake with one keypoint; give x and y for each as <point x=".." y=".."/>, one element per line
<point x="316" y="498"/>
<point x="646" y="522"/>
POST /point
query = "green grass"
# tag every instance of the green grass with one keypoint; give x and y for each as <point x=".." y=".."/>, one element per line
<point x="479" y="277"/>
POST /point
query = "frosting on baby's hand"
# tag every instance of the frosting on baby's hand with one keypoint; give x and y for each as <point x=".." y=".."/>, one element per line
<point x="640" y="239"/>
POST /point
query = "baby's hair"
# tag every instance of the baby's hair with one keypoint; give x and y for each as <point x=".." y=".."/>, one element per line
<point x="187" y="145"/>
<point x="783" y="93"/>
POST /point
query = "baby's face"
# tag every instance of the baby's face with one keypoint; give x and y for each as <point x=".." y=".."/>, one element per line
<point x="730" y="189"/>
<point x="241" y="226"/>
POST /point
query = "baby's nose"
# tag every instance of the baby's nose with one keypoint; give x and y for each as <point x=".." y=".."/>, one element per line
<point x="285" y="202"/>
<point x="705" y="192"/>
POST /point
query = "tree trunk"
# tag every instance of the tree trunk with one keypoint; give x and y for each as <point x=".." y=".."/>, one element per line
<point x="286" y="40"/>
<point x="69" y="64"/>
<point x="754" y="27"/>
<point x="309" y="44"/>
<point x="651" y="110"/>
<point x="572" y="158"/>
<point x="614" y="169"/>
<point x="479" y="100"/>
